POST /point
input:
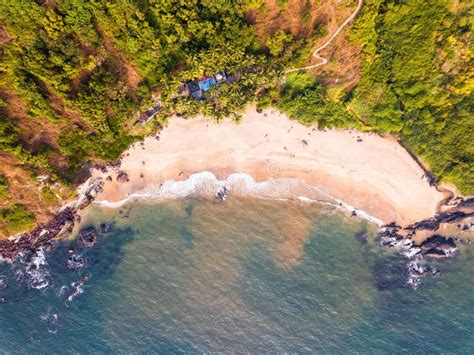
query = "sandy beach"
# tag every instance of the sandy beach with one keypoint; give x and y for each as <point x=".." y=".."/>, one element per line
<point x="366" y="171"/>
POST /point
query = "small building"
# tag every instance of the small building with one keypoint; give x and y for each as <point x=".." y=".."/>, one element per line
<point x="192" y="86"/>
<point x="194" y="89"/>
<point x="197" y="94"/>
<point x="206" y="83"/>
<point x="197" y="87"/>
<point x="220" y="78"/>
<point x="149" y="114"/>
<point x="153" y="111"/>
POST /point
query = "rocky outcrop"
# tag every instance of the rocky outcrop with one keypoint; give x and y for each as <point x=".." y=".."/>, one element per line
<point x="444" y="217"/>
<point x="438" y="246"/>
<point x="78" y="287"/>
<point x="416" y="269"/>
<point x="75" y="261"/>
<point x="59" y="226"/>
<point x="435" y="244"/>
<point x="88" y="237"/>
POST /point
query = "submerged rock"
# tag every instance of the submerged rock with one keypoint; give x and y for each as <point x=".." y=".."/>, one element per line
<point x="416" y="269"/>
<point x="3" y="282"/>
<point x="78" y="287"/>
<point x="362" y="236"/>
<point x="388" y="275"/>
<point x="105" y="228"/>
<point x="75" y="261"/>
<point x="36" y="268"/>
<point x="88" y="236"/>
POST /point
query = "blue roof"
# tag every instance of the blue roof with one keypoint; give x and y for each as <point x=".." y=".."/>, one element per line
<point x="207" y="84"/>
<point x="197" y="94"/>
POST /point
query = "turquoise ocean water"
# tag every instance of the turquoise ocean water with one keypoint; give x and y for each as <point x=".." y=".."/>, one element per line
<point x="245" y="275"/>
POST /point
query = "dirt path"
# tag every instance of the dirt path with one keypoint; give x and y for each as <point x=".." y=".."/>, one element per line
<point x="322" y="60"/>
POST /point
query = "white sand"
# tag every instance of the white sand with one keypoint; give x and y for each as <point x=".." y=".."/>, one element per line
<point x="375" y="175"/>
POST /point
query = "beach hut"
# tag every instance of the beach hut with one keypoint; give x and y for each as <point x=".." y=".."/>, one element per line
<point x="194" y="89"/>
<point x="206" y="83"/>
<point x="149" y="114"/>
<point x="197" y="94"/>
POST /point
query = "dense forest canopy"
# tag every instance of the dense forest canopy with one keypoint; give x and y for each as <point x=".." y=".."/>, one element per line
<point x="417" y="81"/>
<point x="74" y="75"/>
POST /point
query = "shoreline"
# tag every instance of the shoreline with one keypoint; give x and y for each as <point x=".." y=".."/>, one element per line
<point x="341" y="168"/>
<point x="366" y="171"/>
<point x="206" y="185"/>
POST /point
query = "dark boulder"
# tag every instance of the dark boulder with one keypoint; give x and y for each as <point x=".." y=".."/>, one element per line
<point x="122" y="177"/>
<point x="392" y="225"/>
<point x="452" y="217"/>
<point x="436" y="241"/>
<point x="88" y="237"/>
<point x="439" y="246"/>
<point x="362" y="236"/>
<point x="105" y="228"/>
<point x="222" y="194"/>
<point x="75" y="261"/>
<point x="430" y="224"/>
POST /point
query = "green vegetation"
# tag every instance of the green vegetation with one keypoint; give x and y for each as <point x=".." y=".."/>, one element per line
<point x="48" y="195"/>
<point x="75" y="74"/>
<point x="277" y="44"/>
<point x="417" y="82"/>
<point x="3" y="187"/>
<point x="16" y="218"/>
<point x="305" y="99"/>
<point x="83" y="70"/>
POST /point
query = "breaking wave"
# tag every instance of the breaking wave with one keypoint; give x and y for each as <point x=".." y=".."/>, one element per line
<point x="207" y="185"/>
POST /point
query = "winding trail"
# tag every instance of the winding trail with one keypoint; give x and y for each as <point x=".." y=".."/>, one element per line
<point x="322" y="60"/>
<point x="448" y="194"/>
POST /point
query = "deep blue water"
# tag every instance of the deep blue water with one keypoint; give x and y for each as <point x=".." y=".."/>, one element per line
<point x="241" y="276"/>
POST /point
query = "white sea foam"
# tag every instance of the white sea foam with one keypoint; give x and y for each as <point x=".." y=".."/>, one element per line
<point x="205" y="184"/>
<point x="361" y="213"/>
<point x="342" y="205"/>
<point x="37" y="270"/>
